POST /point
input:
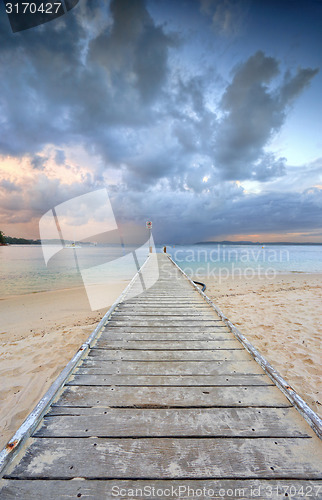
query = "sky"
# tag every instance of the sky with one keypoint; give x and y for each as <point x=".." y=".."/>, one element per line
<point x="203" y="116"/>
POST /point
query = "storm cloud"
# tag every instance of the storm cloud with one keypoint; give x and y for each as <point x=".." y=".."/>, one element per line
<point x="254" y="113"/>
<point x="111" y="77"/>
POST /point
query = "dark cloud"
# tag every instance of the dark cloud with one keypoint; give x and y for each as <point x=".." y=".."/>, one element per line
<point x="38" y="162"/>
<point x="109" y="78"/>
<point x="31" y="198"/>
<point x="293" y="85"/>
<point x="60" y="157"/>
<point x="141" y="47"/>
<point x="255" y="110"/>
<point x="225" y="209"/>
<point x="113" y="94"/>
<point x="59" y="87"/>
<point x="9" y="186"/>
<point x="227" y="16"/>
<point x="268" y="167"/>
<point x="37" y="74"/>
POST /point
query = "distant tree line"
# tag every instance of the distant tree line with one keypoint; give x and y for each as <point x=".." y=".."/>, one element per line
<point x="9" y="240"/>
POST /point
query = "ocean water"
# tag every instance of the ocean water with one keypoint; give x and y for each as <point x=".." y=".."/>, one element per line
<point x="223" y="261"/>
<point x="23" y="269"/>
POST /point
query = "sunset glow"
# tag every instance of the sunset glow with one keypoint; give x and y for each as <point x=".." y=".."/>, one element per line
<point x="196" y="115"/>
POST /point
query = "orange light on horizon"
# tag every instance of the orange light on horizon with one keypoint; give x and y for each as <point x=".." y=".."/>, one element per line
<point x="298" y="237"/>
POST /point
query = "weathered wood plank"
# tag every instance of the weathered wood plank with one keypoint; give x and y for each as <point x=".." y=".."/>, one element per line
<point x="91" y="365"/>
<point x="168" y="306"/>
<point x="104" y="343"/>
<point x="216" y="422"/>
<point x="166" y="297"/>
<point x="160" y="314"/>
<point x="112" y="335"/>
<point x="217" y="327"/>
<point x="268" y="396"/>
<point x="169" y="380"/>
<point x="148" y="303"/>
<point x="170" y="458"/>
<point x="150" y="355"/>
<point x="181" y="295"/>
<point x="173" y="321"/>
<point x="216" y="489"/>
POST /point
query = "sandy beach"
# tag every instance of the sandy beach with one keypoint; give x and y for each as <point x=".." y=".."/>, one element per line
<point x="282" y="318"/>
<point x="39" y="334"/>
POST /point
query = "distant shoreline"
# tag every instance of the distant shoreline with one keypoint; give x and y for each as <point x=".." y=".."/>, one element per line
<point x="256" y="243"/>
<point x="22" y="241"/>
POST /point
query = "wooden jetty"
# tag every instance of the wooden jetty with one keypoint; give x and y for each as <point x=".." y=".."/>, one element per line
<point x="166" y="399"/>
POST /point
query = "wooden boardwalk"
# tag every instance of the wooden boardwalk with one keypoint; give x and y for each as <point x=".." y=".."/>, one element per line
<point x="167" y="398"/>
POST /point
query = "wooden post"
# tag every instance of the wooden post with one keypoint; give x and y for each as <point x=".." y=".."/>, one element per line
<point x="149" y="226"/>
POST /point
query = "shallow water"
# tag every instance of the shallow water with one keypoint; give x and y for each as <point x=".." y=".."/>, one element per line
<point x="247" y="260"/>
<point x="23" y="269"/>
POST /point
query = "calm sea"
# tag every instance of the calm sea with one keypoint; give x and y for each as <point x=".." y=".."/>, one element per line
<point x="23" y="269"/>
<point x="247" y="260"/>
